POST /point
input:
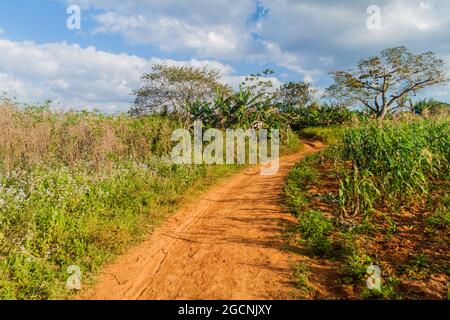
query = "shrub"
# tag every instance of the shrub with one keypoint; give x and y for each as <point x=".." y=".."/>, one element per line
<point x="302" y="273"/>
<point x="315" y="228"/>
<point x="297" y="184"/>
<point x="37" y="135"/>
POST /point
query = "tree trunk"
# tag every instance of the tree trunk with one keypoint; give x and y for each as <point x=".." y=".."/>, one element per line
<point x="383" y="112"/>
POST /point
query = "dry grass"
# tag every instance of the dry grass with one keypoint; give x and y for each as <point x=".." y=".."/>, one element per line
<point x="38" y="135"/>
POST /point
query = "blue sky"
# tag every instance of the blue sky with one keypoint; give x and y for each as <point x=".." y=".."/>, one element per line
<point x="99" y="65"/>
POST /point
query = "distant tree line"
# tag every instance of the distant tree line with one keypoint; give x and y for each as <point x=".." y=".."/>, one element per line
<point x="378" y="86"/>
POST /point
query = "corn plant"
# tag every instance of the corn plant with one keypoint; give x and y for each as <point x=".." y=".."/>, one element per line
<point x="394" y="162"/>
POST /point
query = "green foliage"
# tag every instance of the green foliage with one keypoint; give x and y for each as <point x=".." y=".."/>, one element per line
<point x="319" y="115"/>
<point x="301" y="274"/>
<point x="430" y="107"/>
<point x="243" y="109"/>
<point x="393" y="162"/>
<point x="356" y="260"/>
<point x="167" y="89"/>
<point x="441" y="216"/>
<point x="328" y="135"/>
<point x="294" y="96"/>
<point x="387" y="291"/>
<point x="440" y="219"/>
<point x="291" y="143"/>
<point x="358" y="192"/>
<point x="417" y="265"/>
<point x="314" y="228"/>
<point x="297" y="185"/>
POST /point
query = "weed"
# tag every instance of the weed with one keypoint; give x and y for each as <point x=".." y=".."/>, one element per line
<point x="301" y="274"/>
<point x="418" y="265"/>
<point x="355" y="259"/>
<point x="386" y="292"/>
<point x="315" y="228"/>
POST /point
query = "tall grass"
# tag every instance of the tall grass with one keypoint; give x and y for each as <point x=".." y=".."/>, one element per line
<point x="394" y="162"/>
<point x="37" y="135"/>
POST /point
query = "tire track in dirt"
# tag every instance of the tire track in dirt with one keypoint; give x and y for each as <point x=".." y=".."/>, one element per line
<point x="225" y="245"/>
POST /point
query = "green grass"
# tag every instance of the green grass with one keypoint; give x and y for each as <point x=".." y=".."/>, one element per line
<point x="297" y="184"/>
<point x="314" y="229"/>
<point x="301" y="274"/>
<point x="328" y="135"/>
<point x="52" y="218"/>
<point x="386" y="292"/>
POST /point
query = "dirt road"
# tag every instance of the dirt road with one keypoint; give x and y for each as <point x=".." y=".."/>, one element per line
<point x="225" y="245"/>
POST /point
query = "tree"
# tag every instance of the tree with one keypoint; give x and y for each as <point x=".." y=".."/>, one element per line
<point x="382" y="82"/>
<point x="294" y="95"/>
<point x="169" y="88"/>
<point x="252" y="106"/>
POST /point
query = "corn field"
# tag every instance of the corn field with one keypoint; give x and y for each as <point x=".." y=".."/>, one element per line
<point x="392" y="163"/>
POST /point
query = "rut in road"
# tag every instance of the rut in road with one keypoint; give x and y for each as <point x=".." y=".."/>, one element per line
<point x="225" y="245"/>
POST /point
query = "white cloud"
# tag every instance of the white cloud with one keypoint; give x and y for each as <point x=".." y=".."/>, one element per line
<point x="297" y="35"/>
<point x="402" y="22"/>
<point x="75" y="76"/>
<point x="202" y="28"/>
<point x="170" y="33"/>
<point x="308" y="38"/>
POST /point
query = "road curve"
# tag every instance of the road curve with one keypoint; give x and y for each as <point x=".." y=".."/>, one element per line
<point x="227" y="244"/>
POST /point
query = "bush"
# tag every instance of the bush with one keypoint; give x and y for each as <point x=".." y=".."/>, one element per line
<point x="356" y="261"/>
<point x="296" y="186"/>
<point x="328" y="135"/>
<point x="318" y="115"/>
<point x="315" y="228"/>
<point x="36" y="135"/>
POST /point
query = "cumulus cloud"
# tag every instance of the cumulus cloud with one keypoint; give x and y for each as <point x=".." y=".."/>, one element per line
<point x="305" y="39"/>
<point x="170" y="34"/>
<point x="75" y="76"/>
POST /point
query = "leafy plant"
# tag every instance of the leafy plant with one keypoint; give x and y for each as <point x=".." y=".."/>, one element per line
<point x="314" y="228"/>
<point x="301" y="274"/>
<point x="393" y="162"/>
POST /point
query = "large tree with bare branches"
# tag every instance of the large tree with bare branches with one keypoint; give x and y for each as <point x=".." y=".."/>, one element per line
<point x="382" y="82"/>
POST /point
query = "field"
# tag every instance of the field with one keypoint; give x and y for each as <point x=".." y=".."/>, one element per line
<point x="378" y="196"/>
